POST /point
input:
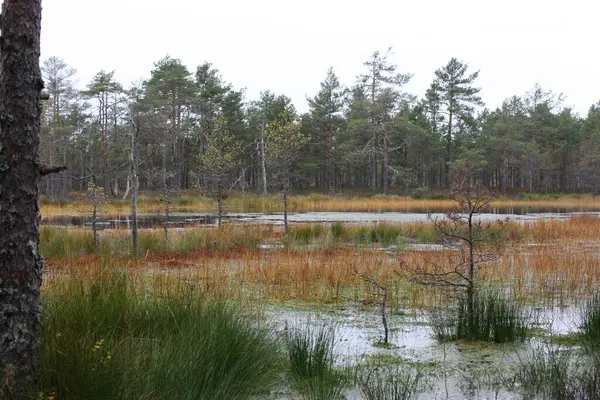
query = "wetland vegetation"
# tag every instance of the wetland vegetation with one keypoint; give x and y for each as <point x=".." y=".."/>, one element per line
<point x="296" y="319"/>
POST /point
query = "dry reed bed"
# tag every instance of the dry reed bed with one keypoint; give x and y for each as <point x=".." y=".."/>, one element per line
<point x="311" y="203"/>
<point x="554" y="261"/>
<point x="550" y="274"/>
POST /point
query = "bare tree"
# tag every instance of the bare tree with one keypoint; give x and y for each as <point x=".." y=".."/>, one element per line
<point x="219" y="159"/>
<point x="381" y="292"/>
<point x="20" y="171"/>
<point x="469" y="238"/>
<point x="283" y="143"/>
<point x="96" y="199"/>
<point x="135" y="184"/>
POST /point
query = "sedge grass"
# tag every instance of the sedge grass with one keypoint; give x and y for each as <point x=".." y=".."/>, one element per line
<point x="557" y="374"/>
<point x="311" y="355"/>
<point x="495" y="318"/>
<point x="104" y="337"/>
<point x="389" y="382"/>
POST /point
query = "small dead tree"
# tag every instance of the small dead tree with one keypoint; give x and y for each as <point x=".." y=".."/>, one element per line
<point x="96" y="200"/>
<point x="283" y="144"/>
<point x="381" y="292"/>
<point x="219" y="158"/>
<point x="135" y="184"/>
<point x="469" y="238"/>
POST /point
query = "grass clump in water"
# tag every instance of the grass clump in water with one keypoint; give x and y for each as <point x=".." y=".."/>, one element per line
<point x="384" y="234"/>
<point x="103" y="340"/>
<point x="338" y="231"/>
<point x="389" y="382"/>
<point x="311" y="361"/>
<point x="591" y="322"/>
<point x="496" y="318"/>
<point x="559" y="374"/>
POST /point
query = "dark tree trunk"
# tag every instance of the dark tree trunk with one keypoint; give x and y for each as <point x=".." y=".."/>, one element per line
<point x="329" y="150"/>
<point x="165" y="194"/>
<point x="385" y="166"/>
<point x="448" y="152"/>
<point x="219" y="202"/>
<point x="285" y="208"/>
<point x="20" y="262"/>
<point x="135" y="185"/>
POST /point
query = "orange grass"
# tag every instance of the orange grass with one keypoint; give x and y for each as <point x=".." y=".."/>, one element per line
<point x="273" y="203"/>
<point x="554" y="261"/>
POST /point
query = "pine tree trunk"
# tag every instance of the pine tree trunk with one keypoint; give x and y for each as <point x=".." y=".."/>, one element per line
<point x="384" y="171"/>
<point x="95" y="237"/>
<point x="471" y="282"/>
<point x="374" y="167"/>
<point x="165" y="194"/>
<point x="263" y="161"/>
<point x="219" y="202"/>
<point x="20" y="262"/>
<point x="285" y="208"/>
<point x="135" y="185"/>
<point x="330" y="176"/>
<point x="104" y="142"/>
<point x="448" y="152"/>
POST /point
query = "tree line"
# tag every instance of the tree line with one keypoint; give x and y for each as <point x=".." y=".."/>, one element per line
<point x="192" y="130"/>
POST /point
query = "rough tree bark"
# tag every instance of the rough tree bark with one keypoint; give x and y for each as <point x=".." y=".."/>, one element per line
<point x="20" y="171"/>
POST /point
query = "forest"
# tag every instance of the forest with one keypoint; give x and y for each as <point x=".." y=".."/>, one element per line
<point x="190" y="129"/>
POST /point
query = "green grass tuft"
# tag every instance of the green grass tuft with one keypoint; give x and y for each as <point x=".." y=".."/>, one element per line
<point x="103" y="340"/>
<point x="496" y="318"/>
<point x="311" y="362"/>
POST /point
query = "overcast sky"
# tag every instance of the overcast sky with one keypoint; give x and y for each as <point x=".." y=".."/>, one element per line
<point x="287" y="46"/>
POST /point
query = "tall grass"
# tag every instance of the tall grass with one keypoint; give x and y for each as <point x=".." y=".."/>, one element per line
<point x="591" y="321"/>
<point x="311" y="362"/>
<point x="103" y="339"/>
<point x="552" y="262"/>
<point x="389" y="382"/>
<point x="69" y="242"/>
<point x="558" y="374"/>
<point x="496" y="318"/>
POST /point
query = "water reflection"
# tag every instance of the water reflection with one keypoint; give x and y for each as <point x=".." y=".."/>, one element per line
<point x="180" y="219"/>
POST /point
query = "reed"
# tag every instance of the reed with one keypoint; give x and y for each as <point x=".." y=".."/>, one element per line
<point x="191" y="202"/>
<point x="553" y="262"/>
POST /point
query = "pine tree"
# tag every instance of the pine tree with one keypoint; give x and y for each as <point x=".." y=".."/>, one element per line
<point x="20" y="171"/>
<point x="326" y="108"/>
<point x="458" y="97"/>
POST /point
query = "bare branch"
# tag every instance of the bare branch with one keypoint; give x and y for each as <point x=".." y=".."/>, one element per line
<point x="51" y="170"/>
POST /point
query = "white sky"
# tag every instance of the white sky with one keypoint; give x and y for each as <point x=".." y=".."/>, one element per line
<point x="287" y="46"/>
